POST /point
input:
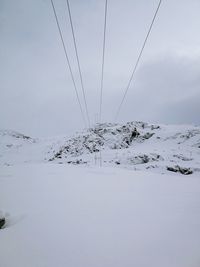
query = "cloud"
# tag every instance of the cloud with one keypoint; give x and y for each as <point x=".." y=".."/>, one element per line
<point x="169" y="82"/>
<point x="36" y="91"/>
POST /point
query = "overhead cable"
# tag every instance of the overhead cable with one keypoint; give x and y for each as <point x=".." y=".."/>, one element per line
<point x="68" y="62"/>
<point x="78" y="62"/>
<point x="138" y="60"/>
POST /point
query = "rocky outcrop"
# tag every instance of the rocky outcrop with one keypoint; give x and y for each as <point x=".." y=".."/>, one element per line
<point x="182" y="170"/>
<point x="105" y="136"/>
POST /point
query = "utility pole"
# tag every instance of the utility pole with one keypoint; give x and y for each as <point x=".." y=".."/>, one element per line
<point x="100" y="155"/>
<point x="100" y="158"/>
<point x="95" y="153"/>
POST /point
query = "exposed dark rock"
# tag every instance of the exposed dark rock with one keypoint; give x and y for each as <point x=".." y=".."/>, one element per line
<point x="143" y="158"/>
<point x="2" y="222"/>
<point x="182" y="170"/>
<point x="134" y="134"/>
<point x="77" y="162"/>
<point x="147" y="135"/>
<point x="16" y="135"/>
<point x="155" y="127"/>
<point x="58" y="155"/>
<point x="151" y="167"/>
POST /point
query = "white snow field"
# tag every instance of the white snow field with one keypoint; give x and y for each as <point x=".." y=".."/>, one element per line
<point x="78" y="216"/>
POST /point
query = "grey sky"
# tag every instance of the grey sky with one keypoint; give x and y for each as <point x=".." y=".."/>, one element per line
<point x="36" y="91"/>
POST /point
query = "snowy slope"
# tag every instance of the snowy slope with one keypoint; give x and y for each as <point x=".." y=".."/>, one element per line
<point x="135" y="145"/>
<point x="58" y="214"/>
<point x="16" y="148"/>
<point x="62" y="215"/>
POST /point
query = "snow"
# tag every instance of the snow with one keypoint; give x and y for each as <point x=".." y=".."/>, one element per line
<point x="64" y="215"/>
<point x="62" y="209"/>
<point x="134" y="145"/>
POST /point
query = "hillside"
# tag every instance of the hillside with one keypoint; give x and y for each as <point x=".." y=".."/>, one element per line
<point x="134" y="145"/>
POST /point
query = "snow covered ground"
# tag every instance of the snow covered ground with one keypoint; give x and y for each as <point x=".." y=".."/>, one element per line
<point x="62" y="209"/>
<point x="78" y="216"/>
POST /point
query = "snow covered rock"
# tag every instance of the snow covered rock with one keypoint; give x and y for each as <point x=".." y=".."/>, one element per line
<point x="182" y="170"/>
<point x="134" y="145"/>
<point x="2" y="222"/>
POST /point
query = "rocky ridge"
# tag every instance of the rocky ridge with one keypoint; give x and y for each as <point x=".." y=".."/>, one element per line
<point x="134" y="145"/>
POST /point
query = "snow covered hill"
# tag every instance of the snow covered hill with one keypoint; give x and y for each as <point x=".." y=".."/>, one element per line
<point x="64" y="215"/>
<point x="134" y="145"/>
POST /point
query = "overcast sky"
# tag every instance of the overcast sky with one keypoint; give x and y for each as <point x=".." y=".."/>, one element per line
<point x="36" y="92"/>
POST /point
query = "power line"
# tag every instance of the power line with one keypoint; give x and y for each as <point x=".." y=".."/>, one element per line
<point x="68" y="62"/>
<point x="138" y="59"/>
<point x="102" y="73"/>
<point x="103" y="59"/>
<point x="78" y="62"/>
